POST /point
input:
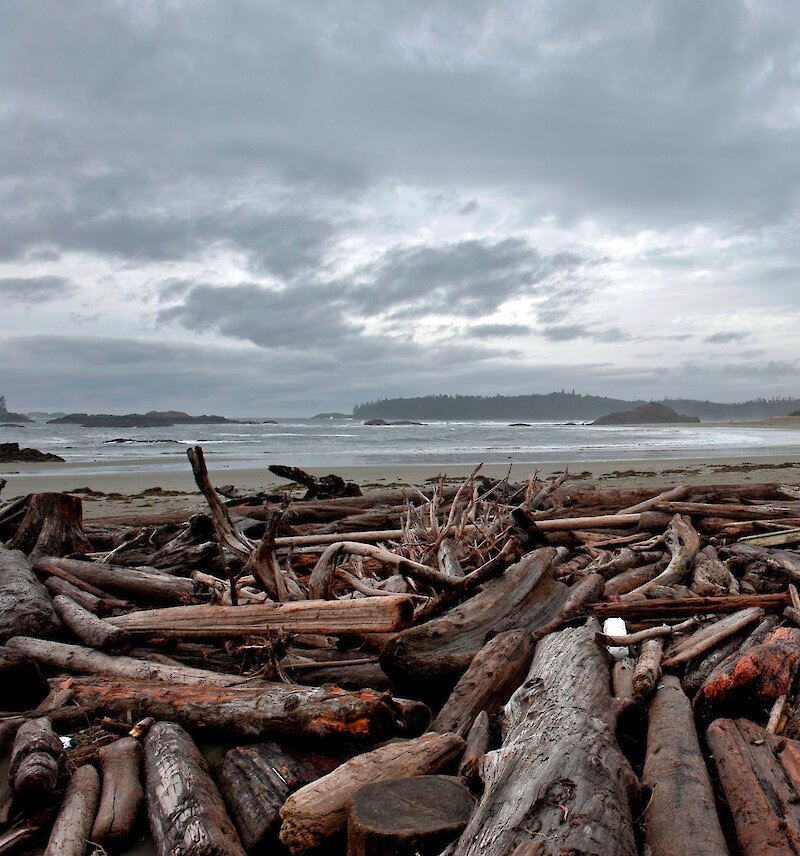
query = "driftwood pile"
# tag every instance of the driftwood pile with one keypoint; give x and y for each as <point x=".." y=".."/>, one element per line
<point x="492" y="668"/>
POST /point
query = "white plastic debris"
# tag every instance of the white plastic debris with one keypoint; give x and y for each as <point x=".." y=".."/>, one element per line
<point x="616" y="627"/>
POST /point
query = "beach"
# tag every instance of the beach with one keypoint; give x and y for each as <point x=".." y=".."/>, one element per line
<point x="109" y="490"/>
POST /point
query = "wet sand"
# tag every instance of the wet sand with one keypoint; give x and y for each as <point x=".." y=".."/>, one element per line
<point x="106" y="489"/>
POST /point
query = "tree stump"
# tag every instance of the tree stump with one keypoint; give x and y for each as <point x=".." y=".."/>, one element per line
<point x="52" y="526"/>
<point x="414" y="816"/>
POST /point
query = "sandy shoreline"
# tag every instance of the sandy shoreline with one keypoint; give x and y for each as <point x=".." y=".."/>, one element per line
<point x="108" y="490"/>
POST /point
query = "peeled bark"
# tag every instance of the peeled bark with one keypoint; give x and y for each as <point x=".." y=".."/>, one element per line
<point x="317" y="813"/>
<point x="122" y="794"/>
<point x="559" y="776"/>
<point x="493" y="675"/>
<point x="186" y="812"/>
<point x="25" y="605"/>
<point x="525" y="597"/>
<point x="676" y="774"/>
<point x="71" y="830"/>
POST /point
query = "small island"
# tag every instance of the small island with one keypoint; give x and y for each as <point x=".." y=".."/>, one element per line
<point x="7" y="417"/>
<point x="151" y="419"/>
<point x="647" y="414"/>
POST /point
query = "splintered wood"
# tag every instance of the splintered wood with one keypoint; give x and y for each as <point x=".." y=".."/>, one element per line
<point x="406" y="671"/>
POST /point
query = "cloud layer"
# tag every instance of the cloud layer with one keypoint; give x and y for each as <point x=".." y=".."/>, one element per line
<point x="383" y="198"/>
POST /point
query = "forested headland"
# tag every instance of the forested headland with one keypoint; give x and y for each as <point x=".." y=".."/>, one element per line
<point x="560" y="406"/>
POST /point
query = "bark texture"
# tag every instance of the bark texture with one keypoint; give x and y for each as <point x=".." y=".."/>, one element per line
<point x="25" y="605"/>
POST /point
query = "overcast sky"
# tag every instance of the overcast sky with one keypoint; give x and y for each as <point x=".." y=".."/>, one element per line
<point x="279" y="208"/>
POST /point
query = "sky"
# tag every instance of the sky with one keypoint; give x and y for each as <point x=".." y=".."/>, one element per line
<point x="258" y="208"/>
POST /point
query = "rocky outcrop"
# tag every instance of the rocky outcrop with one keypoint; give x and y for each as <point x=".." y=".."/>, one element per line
<point x="151" y="419"/>
<point x="6" y="416"/>
<point x="10" y="453"/>
<point x="650" y="413"/>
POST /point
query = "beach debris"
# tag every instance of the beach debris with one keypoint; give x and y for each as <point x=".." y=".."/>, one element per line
<point x="459" y="621"/>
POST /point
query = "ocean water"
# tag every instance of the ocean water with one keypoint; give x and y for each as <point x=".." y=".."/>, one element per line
<point x="311" y="443"/>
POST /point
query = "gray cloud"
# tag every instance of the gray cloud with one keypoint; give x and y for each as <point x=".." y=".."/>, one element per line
<point x="726" y="337"/>
<point x="35" y="289"/>
<point x="571" y="332"/>
<point x="491" y="331"/>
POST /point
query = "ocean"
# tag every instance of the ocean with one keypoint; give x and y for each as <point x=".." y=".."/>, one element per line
<point x="312" y="443"/>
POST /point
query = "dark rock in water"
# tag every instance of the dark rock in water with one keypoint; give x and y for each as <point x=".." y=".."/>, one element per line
<point x="376" y="422"/>
<point x="11" y="425"/>
<point x="123" y="440"/>
<point x="11" y="453"/>
<point x="650" y="413"/>
<point x="520" y="425"/>
<point x="151" y="419"/>
<point x="399" y="422"/>
<point x="332" y="416"/>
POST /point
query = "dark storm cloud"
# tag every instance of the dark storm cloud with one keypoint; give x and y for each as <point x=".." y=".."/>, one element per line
<point x="726" y="337"/>
<point x="35" y="289"/>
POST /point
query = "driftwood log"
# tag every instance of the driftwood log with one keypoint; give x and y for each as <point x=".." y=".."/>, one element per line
<point x="25" y="605"/>
<point x="760" y="775"/>
<point x="256" y="780"/>
<point x="559" y="776"/>
<point x="317" y="813"/>
<point x="526" y="596"/>
<point x="71" y="830"/>
<point x="186" y="812"/>
<point x="88" y="628"/>
<point x="53" y="525"/>
<point x="323" y="713"/>
<point x="122" y="794"/>
<point x="676" y="774"/>
<point x="471" y="767"/>
<point x="35" y="760"/>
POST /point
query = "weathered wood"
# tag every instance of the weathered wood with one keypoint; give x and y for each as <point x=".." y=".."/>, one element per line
<point x="760" y="774"/>
<point x="256" y="780"/>
<point x="656" y="609"/>
<point x="148" y="585"/>
<point x="526" y="596"/>
<point x="673" y="493"/>
<point x="559" y="777"/>
<point x="90" y="602"/>
<point x="23" y="684"/>
<point x="493" y="675"/>
<point x="80" y="660"/>
<point x="122" y="794"/>
<point x="70" y="833"/>
<point x="333" y="617"/>
<point x="756" y="511"/>
<point x="471" y="767"/>
<point x="325" y="487"/>
<point x="186" y="812"/>
<point x="317" y="812"/>
<point x="413" y="816"/>
<point x="448" y="559"/>
<point x="786" y="562"/>
<point x="711" y="577"/>
<point x="681" y="816"/>
<point x="683" y="542"/>
<point x="35" y="761"/>
<point x="290" y="710"/>
<point x="53" y="525"/>
<point x="647" y="670"/>
<point x="90" y="629"/>
<point x="707" y="637"/>
<point x="25" y="605"/>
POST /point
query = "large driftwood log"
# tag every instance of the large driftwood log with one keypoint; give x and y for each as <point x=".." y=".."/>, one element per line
<point x="336" y="617"/>
<point x="760" y="774"/>
<point x="559" y="781"/>
<point x="88" y="628"/>
<point x="186" y="812"/>
<point x="413" y="816"/>
<point x="25" y="605"/>
<point x="683" y="542"/>
<point x="525" y="597"/>
<point x="681" y="816"/>
<point x="23" y="684"/>
<point x="255" y="782"/>
<point x="122" y="794"/>
<point x="323" y="713"/>
<point x="70" y="833"/>
<point x="75" y="658"/>
<point x="493" y="675"/>
<point x="658" y="608"/>
<point x="148" y="585"/>
<point x="35" y="760"/>
<point x="317" y="813"/>
<point x="53" y="525"/>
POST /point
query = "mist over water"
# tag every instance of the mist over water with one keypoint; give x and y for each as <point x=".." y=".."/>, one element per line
<point x="311" y="443"/>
